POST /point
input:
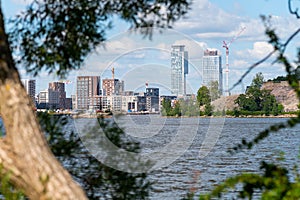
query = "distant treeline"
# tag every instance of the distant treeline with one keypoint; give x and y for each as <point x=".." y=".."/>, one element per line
<point x="278" y="79"/>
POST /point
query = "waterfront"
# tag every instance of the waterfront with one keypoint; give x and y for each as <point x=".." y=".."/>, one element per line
<point x="175" y="180"/>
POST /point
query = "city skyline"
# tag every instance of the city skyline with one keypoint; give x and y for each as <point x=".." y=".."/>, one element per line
<point x="208" y="23"/>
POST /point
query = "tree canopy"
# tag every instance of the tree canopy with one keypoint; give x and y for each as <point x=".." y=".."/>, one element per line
<point x="214" y="90"/>
<point x="57" y="35"/>
<point x="203" y="96"/>
<point x="257" y="99"/>
<point x="274" y="180"/>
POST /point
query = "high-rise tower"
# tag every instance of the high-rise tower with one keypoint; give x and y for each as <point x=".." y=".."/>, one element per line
<point x="60" y="88"/>
<point x="88" y="87"/>
<point x="179" y="69"/>
<point x="29" y="85"/>
<point x="212" y="68"/>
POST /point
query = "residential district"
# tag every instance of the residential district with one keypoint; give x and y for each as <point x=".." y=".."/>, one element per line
<point x="108" y="95"/>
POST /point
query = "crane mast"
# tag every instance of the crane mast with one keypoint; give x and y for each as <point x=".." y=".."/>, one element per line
<point x="226" y="46"/>
<point x="113" y="73"/>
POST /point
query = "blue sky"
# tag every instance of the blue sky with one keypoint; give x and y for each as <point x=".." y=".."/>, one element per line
<point x="207" y="25"/>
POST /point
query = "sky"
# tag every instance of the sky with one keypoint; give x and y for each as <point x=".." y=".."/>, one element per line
<point x="137" y="60"/>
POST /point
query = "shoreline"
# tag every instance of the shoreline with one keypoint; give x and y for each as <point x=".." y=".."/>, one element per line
<point x="76" y="116"/>
<point x="230" y="116"/>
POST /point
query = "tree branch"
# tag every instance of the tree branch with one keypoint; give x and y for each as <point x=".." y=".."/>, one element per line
<point x="251" y="68"/>
<point x="291" y="10"/>
<point x="24" y="152"/>
<point x="282" y="50"/>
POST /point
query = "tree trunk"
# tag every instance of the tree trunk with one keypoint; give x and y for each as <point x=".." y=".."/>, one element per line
<point x="24" y="152"/>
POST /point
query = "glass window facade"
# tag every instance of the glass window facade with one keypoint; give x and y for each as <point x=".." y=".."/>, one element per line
<point x="179" y="69"/>
<point x="212" y="68"/>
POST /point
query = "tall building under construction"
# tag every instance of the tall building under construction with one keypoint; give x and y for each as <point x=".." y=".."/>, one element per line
<point x="212" y="68"/>
<point x="112" y="87"/>
<point x="179" y="69"/>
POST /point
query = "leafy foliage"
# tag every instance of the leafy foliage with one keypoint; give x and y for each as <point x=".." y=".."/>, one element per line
<point x="189" y="107"/>
<point x="169" y="110"/>
<point x="204" y="99"/>
<point x="257" y="81"/>
<point x="7" y="190"/>
<point x="279" y="79"/>
<point x="166" y="107"/>
<point x="203" y="96"/>
<point x="274" y="182"/>
<point x="208" y="110"/>
<point x="214" y="90"/>
<point x="57" y="35"/>
<point x="98" y="180"/>
<point x="182" y="107"/>
<point x="257" y="99"/>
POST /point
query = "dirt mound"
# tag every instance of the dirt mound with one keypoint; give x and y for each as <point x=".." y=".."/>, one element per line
<point x="283" y="93"/>
<point x="225" y="103"/>
<point x="281" y="90"/>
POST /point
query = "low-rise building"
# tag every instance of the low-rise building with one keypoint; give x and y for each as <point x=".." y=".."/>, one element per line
<point x="152" y="99"/>
<point x="112" y="103"/>
<point x="129" y="103"/>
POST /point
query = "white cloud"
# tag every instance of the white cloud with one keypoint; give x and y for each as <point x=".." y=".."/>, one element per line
<point x="205" y="26"/>
<point x="195" y="49"/>
<point x="284" y="26"/>
<point x="258" y="51"/>
<point x="206" y="17"/>
<point x="240" y="64"/>
<point x="207" y="21"/>
<point x="117" y="46"/>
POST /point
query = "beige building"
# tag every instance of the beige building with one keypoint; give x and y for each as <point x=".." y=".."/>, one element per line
<point x="130" y="103"/>
<point x="112" y="87"/>
<point x="112" y="103"/>
<point x="88" y="87"/>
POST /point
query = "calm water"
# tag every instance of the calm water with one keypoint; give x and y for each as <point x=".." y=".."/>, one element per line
<point x="195" y="170"/>
<point x="205" y="162"/>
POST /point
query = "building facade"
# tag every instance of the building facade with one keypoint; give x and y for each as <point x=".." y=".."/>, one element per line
<point x="179" y="69"/>
<point x="152" y="99"/>
<point x="30" y="87"/>
<point x="141" y="103"/>
<point x="53" y="99"/>
<point x="60" y="88"/>
<point x="112" y="87"/>
<point x="43" y="99"/>
<point x="212" y="68"/>
<point x="87" y="88"/>
<point x="112" y="103"/>
<point x="68" y="104"/>
<point x="74" y="101"/>
<point x="129" y="103"/>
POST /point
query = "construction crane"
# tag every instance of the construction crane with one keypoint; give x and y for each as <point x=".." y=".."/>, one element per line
<point x="65" y="81"/>
<point x="226" y="46"/>
<point x="113" y="73"/>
